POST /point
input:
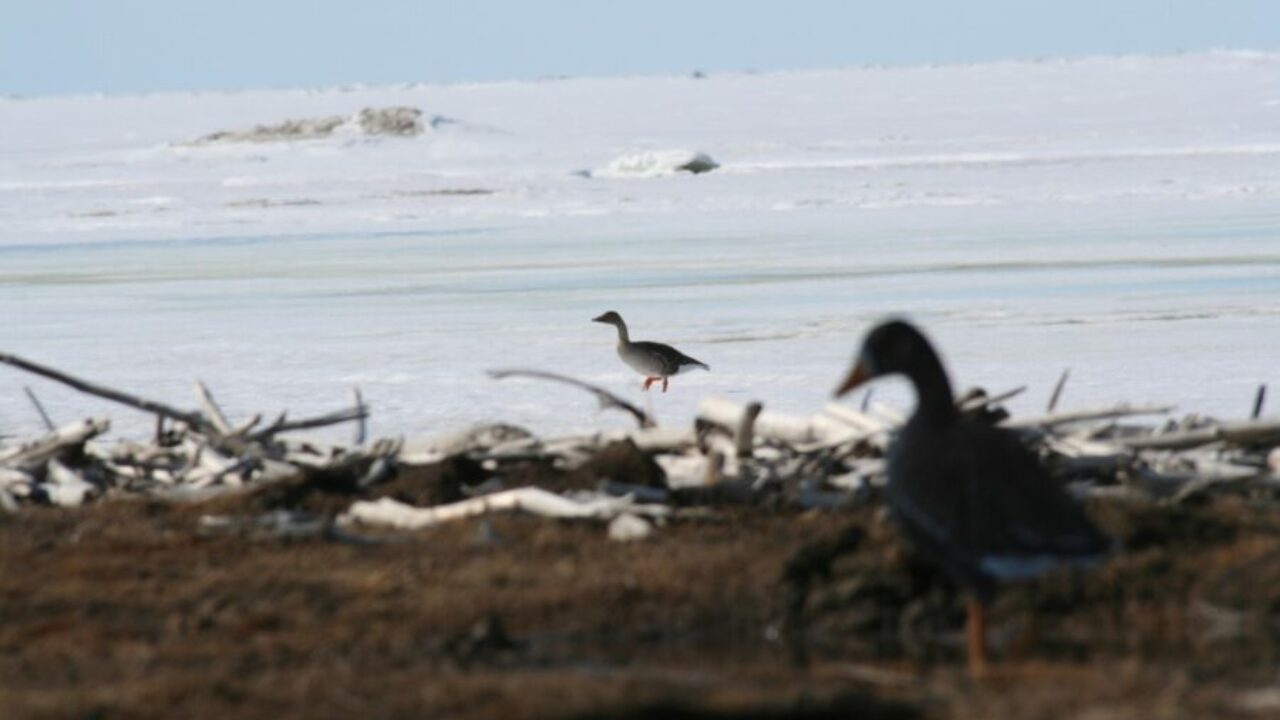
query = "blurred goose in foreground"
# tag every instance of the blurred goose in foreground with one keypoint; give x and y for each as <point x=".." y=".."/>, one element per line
<point x="653" y="360"/>
<point x="969" y="495"/>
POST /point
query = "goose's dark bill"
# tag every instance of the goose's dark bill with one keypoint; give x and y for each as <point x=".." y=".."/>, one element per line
<point x="856" y="377"/>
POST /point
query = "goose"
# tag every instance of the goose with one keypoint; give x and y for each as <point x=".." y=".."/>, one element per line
<point x="968" y="495"/>
<point x="653" y="360"/>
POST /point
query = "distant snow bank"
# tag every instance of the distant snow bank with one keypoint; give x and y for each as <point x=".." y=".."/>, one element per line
<point x="401" y="121"/>
<point x="657" y="163"/>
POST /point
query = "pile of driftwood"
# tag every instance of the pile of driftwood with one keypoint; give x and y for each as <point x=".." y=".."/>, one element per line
<point x="193" y="453"/>
<point x="733" y="453"/>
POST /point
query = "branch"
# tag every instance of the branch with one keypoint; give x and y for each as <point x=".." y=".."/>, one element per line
<point x="606" y="398"/>
<point x="195" y="420"/>
<point x="1064" y="418"/>
<point x="333" y="418"/>
<point x="48" y="423"/>
<point x="211" y="409"/>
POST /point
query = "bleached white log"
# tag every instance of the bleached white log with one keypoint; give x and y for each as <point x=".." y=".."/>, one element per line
<point x="8" y="503"/>
<point x="1248" y="431"/>
<point x="832" y="433"/>
<point x="684" y="471"/>
<point x="16" y="482"/>
<point x="536" y="501"/>
<point x="214" y="467"/>
<point x="243" y="427"/>
<point x="1053" y="420"/>
<point x="853" y="418"/>
<point x="69" y="435"/>
<point x="277" y="471"/>
<point x="1080" y="445"/>
<point x="125" y="470"/>
<point x="892" y="415"/>
<point x="64" y="486"/>
<point x="628" y="528"/>
<point x="744" y="432"/>
<point x="787" y="428"/>
<point x="863" y="472"/>
<point x="663" y="439"/>
<point x="211" y="409"/>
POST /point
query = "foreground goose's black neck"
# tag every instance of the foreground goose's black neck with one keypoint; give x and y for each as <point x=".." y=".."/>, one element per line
<point x="934" y="402"/>
<point x="624" y="337"/>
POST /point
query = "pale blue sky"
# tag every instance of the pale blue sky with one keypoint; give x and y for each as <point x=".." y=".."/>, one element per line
<point x="62" y="46"/>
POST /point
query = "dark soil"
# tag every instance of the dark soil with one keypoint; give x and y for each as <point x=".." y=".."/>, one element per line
<point x="128" y="609"/>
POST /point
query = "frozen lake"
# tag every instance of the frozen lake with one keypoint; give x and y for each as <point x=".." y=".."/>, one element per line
<point x="1120" y="217"/>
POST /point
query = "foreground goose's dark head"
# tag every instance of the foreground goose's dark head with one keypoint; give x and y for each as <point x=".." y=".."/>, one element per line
<point x="610" y="317"/>
<point x="896" y="347"/>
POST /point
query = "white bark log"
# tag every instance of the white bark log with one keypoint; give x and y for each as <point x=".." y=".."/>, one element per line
<point x="786" y="428"/>
<point x="37" y="452"/>
<point x="536" y="501"/>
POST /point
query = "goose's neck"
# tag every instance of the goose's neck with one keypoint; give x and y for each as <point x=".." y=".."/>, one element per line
<point x="935" y="402"/>
<point x="623" y="337"/>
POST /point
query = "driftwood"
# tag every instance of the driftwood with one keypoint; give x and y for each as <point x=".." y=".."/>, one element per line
<point x="35" y="401"/>
<point x="744" y="437"/>
<point x="191" y="451"/>
<point x="606" y="398"/>
<point x="1241" y="433"/>
<point x="55" y="443"/>
<point x="536" y="501"/>
<point x="734" y="453"/>
<point x="195" y="420"/>
<point x="1054" y="420"/>
<point x="283" y="425"/>
<point x="1057" y="390"/>
<point x="769" y="425"/>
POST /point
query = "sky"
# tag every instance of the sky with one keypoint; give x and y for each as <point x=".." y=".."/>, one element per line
<point x="129" y="46"/>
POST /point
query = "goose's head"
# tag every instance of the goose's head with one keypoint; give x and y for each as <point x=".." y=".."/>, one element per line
<point x="610" y="318"/>
<point x="890" y="348"/>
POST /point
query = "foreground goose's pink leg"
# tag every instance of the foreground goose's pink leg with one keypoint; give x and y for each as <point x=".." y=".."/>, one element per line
<point x="976" y="632"/>
<point x="649" y="381"/>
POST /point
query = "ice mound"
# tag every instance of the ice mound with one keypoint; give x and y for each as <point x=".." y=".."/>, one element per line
<point x="401" y="121"/>
<point x="657" y="163"/>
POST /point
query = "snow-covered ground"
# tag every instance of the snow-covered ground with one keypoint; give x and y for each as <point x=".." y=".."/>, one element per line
<point x="1120" y="216"/>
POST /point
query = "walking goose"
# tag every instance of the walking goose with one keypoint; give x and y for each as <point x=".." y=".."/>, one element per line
<point x="969" y="495"/>
<point x="653" y="360"/>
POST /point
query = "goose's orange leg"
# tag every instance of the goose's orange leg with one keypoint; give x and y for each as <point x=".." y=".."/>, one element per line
<point x="976" y="634"/>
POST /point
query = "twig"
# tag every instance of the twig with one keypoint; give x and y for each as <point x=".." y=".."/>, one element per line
<point x="1057" y="390"/>
<point x="333" y="418"/>
<point x="211" y="409"/>
<point x="606" y="398"/>
<point x="1258" y="400"/>
<point x="48" y="424"/>
<point x="361" y="428"/>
